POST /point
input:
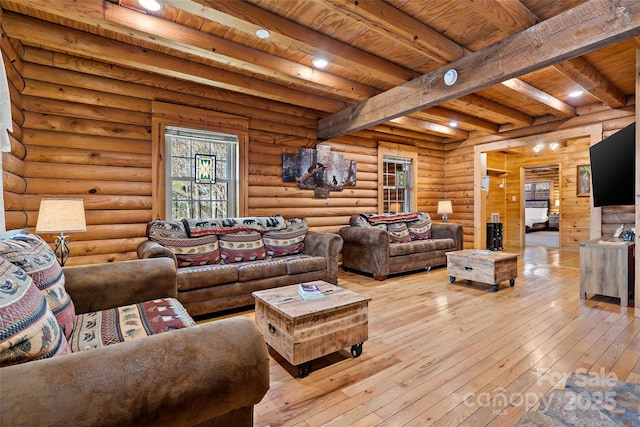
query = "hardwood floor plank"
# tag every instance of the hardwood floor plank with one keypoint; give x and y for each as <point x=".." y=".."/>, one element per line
<point x="445" y="354"/>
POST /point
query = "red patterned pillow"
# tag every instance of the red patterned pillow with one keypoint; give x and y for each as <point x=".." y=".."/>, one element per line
<point x="288" y="241"/>
<point x="241" y="246"/>
<point x="28" y="328"/>
<point x="188" y="251"/>
<point x="420" y="229"/>
<point x="32" y="254"/>
<point x="398" y="233"/>
<point x="97" y="329"/>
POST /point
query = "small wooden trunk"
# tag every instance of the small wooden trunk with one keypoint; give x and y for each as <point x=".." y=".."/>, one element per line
<point x="481" y="266"/>
<point x="302" y="330"/>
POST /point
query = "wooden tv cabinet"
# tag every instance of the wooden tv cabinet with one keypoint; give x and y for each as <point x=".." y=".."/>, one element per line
<point x="607" y="268"/>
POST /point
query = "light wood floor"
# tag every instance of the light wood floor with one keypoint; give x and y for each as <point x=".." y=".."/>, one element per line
<point x="458" y="354"/>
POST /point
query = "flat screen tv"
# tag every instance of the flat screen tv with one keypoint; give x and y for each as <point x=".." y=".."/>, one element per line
<point x="613" y="169"/>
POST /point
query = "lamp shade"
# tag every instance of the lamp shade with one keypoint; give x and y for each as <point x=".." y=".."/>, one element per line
<point x="61" y="216"/>
<point x="444" y="207"/>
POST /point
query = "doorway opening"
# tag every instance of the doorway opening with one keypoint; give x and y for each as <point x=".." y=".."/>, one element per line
<point x="542" y="195"/>
<point x="580" y="221"/>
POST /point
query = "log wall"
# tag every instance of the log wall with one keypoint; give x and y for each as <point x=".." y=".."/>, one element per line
<point x="574" y="224"/>
<point x="496" y="195"/>
<point x="83" y="128"/>
<point x="574" y="221"/>
<point x="13" y="165"/>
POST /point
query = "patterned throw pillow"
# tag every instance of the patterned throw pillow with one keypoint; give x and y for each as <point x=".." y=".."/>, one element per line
<point x="241" y="246"/>
<point x="188" y="251"/>
<point x="289" y="241"/>
<point x="28" y="328"/>
<point x="420" y="229"/>
<point x="361" y="221"/>
<point x="398" y="233"/>
<point x="390" y="218"/>
<point x="210" y="226"/>
<point x="32" y="254"/>
<point x="125" y="323"/>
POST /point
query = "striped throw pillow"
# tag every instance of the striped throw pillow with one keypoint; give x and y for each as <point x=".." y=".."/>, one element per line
<point x="28" y="328"/>
<point x="33" y="255"/>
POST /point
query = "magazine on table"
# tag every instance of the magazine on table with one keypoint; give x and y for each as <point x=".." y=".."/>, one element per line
<point x="309" y="291"/>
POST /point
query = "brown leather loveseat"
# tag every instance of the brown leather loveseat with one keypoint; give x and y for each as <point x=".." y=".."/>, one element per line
<point x="384" y="244"/>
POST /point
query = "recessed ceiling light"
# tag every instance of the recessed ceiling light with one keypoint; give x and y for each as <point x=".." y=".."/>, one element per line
<point x="575" y="93"/>
<point x="453" y="124"/>
<point x="450" y="77"/>
<point x="152" y="5"/>
<point x="319" y="62"/>
<point x="262" y="33"/>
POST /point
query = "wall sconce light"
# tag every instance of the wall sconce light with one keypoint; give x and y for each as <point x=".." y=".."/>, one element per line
<point x="554" y="146"/>
<point x="538" y="148"/>
<point x="557" y="203"/>
<point x="444" y="208"/>
<point x="61" y="216"/>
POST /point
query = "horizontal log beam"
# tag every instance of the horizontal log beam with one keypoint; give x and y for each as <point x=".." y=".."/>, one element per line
<point x="86" y="187"/>
<point x="585" y="28"/>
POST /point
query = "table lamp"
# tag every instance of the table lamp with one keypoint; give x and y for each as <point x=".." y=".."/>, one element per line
<point x="61" y="216"/>
<point x="445" y="208"/>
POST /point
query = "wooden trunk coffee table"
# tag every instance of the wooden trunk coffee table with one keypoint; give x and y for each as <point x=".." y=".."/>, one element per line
<point x="483" y="266"/>
<point x="301" y="330"/>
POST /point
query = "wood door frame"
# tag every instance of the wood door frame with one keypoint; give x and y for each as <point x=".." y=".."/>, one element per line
<point x="594" y="132"/>
<point x="523" y="181"/>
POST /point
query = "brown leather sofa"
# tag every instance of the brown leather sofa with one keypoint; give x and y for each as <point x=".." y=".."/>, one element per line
<point x="206" y="375"/>
<point x="216" y="284"/>
<point x="367" y="248"/>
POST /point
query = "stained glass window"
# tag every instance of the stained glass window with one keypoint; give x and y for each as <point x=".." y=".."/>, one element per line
<point x="201" y="174"/>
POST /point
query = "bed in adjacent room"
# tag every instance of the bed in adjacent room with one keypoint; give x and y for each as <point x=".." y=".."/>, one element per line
<point x="536" y="215"/>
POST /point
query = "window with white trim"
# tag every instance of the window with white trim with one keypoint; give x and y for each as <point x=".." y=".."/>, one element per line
<point x="397" y="184"/>
<point x="188" y="197"/>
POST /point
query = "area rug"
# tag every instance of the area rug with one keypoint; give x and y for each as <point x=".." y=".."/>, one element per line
<point x="588" y="400"/>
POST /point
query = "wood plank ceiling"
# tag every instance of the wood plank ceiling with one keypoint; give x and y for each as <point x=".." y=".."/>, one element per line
<point x="372" y="46"/>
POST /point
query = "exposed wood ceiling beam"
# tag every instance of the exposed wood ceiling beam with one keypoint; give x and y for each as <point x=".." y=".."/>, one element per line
<point x="511" y="16"/>
<point x="389" y="21"/>
<point x="248" y="18"/>
<point x="413" y="34"/>
<point x="439" y="114"/>
<point x="292" y="34"/>
<point x="60" y="39"/>
<point x="420" y="125"/>
<point x="565" y="36"/>
<point x="581" y="72"/>
<point x="178" y="37"/>
<point x="509" y="115"/>
<point x="559" y="108"/>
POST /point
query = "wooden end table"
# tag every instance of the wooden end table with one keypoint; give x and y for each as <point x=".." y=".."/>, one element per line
<point x="301" y="330"/>
<point x="483" y="266"/>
